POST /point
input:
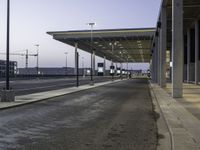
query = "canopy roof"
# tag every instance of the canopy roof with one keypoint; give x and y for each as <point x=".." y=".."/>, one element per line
<point x="119" y="45"/>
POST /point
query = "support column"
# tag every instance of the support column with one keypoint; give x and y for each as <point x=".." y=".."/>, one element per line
<point x="93" y="62"/>
<point x="196" y="51"/>
<point x="104" y="66"/>
<point x="188" y="55"/>
<point x="163" y="47"/>
<point x="76" y="50"/>
<point x="177" y="48"/>
<point x="153" y="70"/>
<point x="158" y="59"/>
<point x="121" y="70"/>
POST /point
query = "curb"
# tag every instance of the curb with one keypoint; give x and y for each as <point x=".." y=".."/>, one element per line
<point x="43" y="99"/>
<point x="165" y="135"/>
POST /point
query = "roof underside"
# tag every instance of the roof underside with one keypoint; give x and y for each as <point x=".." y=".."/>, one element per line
<point x="129" y="45"/>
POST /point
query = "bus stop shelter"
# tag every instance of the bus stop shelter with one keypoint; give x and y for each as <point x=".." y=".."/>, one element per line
<point x="116" y="45"/>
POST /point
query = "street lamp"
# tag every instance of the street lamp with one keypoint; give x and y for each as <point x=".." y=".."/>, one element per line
<point x="121" y="55"/>
<point x="37" y="65"/>
<point x="91" y="49"/>
<point x="7" y="94"/>
<point x="8" y="47"/>
<point x="66" y="62"/>
<point x="112" y="45"/>
<point x="83" y="66"/>
<point x="127" y="66"/>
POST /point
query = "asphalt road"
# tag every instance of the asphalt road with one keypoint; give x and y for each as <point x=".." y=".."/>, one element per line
<point x="117" y="116"/>
<point x="22" y="87"/>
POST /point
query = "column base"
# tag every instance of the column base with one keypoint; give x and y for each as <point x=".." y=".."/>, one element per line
<point x="7" y="96"/>
<point x="177" y="93"/>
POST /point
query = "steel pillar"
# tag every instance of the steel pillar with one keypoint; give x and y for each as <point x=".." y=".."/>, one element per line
<point x="76" y="50"/>
<point x="93" y="62"/>
<point x="104" y="65"/>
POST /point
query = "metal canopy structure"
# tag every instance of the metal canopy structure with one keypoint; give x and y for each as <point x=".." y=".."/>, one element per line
<point x="118" y="45"/>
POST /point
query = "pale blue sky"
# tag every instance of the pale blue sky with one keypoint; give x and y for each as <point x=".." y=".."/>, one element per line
<point x="31" y="19"/>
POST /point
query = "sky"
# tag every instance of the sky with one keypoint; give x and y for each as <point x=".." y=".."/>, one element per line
<point x="31" y="19"/>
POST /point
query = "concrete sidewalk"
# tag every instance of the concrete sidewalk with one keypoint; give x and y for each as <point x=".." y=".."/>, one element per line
<point x="181" y="122"/>
<point x="31" y="98"/>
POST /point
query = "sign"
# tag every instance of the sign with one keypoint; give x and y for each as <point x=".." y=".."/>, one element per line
<point x="100" y="69"/>
<point x="118" y="71"/>
<point x="123" y="71"/>
<point x="112" y="70"/>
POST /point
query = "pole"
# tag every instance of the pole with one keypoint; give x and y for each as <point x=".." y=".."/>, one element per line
<point x="37" y="62"/>
<point x="26" y="59"/>
<point x="91" y="49"/>
<point x="8" y="48"/>
<point x="77" y="70"/>
<point x="37" y="65"/>
<point x="121" y="66"/>
<point x="91" y="71"/>
<point x="83" y="66"/>
<point x="112" y="53"/>
<point x="66" y="63"/>
<point x="127" y="69"/>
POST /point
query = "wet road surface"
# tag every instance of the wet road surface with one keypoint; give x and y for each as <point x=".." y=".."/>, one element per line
<point x="117" y="116"/>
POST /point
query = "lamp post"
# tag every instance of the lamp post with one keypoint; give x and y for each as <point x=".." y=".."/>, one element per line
<point x="83" y="66"/>
<point x="66" y="63"/>
<point x="91" y="24"/>
<point x="127" y="66"/>
<point x="112" y="46"/>
<point x="37" y="65"/>
<point x="121" y="64"/>
<point x="7" y="95"/>
<point x="8" y="47"/>
<point x="112" y="66"/>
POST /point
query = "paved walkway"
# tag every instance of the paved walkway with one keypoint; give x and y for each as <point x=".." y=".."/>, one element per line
<point x="181" y="117"/>
<point x="31" y="98"/>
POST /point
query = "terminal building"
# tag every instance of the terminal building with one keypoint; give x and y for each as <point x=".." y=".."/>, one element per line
<point x="176" y="40"/>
